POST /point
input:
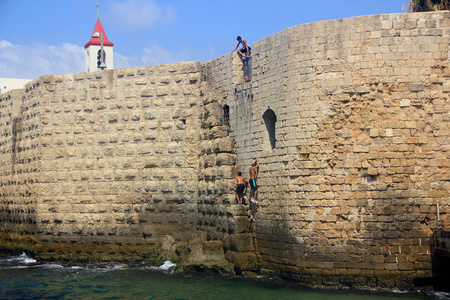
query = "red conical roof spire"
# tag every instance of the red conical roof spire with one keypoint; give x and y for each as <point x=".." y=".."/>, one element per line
<point x="96" y="40"/>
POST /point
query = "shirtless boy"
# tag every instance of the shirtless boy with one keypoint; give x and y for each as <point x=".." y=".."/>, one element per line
<point x="253" y="185"/>
<point x="240" y="182"/>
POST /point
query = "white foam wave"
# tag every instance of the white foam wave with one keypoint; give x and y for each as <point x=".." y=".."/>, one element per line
<point x="165" y="266"/>
<point x="23" y="259"/>
<point x="16" y="267"/>
<point x="51" y="266"/>
<point x="440" y="295"/>
<point x="119" y="267"/>
<point x="397" y="291"/>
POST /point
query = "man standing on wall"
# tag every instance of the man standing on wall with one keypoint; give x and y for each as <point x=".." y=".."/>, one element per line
<point x="253" y="170"/>
<point x="240" y="187"/>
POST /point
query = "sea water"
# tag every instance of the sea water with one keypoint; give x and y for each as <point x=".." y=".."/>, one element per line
<point x="24" y="278"/>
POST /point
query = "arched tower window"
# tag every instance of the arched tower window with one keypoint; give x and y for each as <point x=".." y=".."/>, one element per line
<point x="270" y="119"/>
<point x="99" y="58"/>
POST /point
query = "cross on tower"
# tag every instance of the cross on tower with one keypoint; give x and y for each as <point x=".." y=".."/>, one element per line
<point x="98" y="15"/>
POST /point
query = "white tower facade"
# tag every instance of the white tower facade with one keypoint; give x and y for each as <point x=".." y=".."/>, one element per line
<point x="99" y="41"/>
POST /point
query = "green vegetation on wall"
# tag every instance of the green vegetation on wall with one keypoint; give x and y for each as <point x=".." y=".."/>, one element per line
<point x="428" y="5"/>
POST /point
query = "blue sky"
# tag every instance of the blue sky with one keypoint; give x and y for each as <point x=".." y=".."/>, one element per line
<point x="47" y="37"/>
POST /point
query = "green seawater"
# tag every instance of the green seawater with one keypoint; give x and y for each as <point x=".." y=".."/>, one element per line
<point x="25" y="278"/>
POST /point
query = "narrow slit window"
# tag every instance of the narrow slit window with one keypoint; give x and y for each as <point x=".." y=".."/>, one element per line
<point x="226" y="115"/>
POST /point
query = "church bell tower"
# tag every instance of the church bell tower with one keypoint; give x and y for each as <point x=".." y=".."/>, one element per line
<point x="99" y="50"/>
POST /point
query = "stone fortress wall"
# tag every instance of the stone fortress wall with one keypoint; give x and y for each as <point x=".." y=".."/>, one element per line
<point x="117" y="164"/>
<point x="360" y="154"/>
<point x="349" y="119"/>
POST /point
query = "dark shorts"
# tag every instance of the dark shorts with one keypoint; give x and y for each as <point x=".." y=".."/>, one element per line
<point x="244" y="49"/>
<point x="240" y="188"/>
<point x="253" y="184"/>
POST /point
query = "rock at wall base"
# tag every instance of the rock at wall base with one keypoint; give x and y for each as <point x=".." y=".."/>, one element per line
<point x="214" y="268"/>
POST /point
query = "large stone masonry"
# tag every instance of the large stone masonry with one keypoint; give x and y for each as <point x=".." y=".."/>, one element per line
<point x="127" y="164"/>
<point x="350" y="121"/>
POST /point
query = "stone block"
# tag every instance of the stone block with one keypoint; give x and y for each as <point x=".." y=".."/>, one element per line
<point x="147" y="92"/>
<point x="245" y="261"/>
<point x="242" y="242"/>
<point x="223" y="145"/>
<point x="405" y="103"/>
<point x="446" y="87"/>
<point x="225" y="159"/>
<point x="386" y="25"/>
<point x="416" y="87"/>
<point x="241" y="224"/>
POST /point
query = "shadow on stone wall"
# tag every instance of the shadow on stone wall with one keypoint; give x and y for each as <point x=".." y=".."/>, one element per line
<point x="440" y="258"/>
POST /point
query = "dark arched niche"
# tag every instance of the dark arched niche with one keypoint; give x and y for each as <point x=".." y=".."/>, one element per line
<point x="226" y="115"/>
<point x="270" y="119"/>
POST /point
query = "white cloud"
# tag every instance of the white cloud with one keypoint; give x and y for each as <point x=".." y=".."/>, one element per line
<point x="37" y="59"/>
<point x="4" y="44"/>
<point x="32" y="61"/>
<point x="156" y="54"/>
<point x="133" y="15"/>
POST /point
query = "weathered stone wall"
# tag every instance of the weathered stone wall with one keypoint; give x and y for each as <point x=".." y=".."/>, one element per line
<point x="349" y="119"/>
<point x="19" y="165"/>
<point x="130" y="164"/>
<point x="360" y="149"/>
<point x="116" y="155"/>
